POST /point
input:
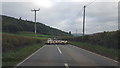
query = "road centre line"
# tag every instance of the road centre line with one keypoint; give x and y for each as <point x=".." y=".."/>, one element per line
<point x="59" y="50"/>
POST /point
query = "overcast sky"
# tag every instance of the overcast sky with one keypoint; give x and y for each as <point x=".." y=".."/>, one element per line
<point x="66" y="15"/>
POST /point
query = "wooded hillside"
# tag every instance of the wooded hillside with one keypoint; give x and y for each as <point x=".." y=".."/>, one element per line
<point x="13" y="25"/>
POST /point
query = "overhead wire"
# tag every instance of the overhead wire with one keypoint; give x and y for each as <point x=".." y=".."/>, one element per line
<point x="86" y="6"/>
<point x="80" y="11"/>
<point x="90" y="3"/>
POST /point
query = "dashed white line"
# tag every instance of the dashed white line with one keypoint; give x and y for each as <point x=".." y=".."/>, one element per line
<point x="59" y="50"/>
<point x="29" y="56"/>
<point x="66" y="65"/>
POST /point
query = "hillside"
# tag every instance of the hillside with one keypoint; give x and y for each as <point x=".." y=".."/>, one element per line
<point x="78" y="34"/>
<point x="13" y="25"/>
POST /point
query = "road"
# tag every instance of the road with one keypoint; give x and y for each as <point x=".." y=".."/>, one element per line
<point x="66" y="55"/>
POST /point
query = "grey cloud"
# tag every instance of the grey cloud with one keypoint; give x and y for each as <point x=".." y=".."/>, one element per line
<point x="63" y="15"/>
<point x="103" y="12"/>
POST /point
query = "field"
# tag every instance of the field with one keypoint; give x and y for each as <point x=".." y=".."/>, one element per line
<point x="30" y="34"/>
<point x="17" y="47"/>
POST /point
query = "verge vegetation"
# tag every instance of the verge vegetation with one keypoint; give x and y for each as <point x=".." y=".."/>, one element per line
<point x="15" y="48"/>
<point x="105" y="43"/>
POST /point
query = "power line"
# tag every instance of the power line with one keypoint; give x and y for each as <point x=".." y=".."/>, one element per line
<point x="80" y="11"/>
<point x="90" y="3"/>
<point x="75" y="15"/>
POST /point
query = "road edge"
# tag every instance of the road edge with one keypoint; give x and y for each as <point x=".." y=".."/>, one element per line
<point x="96" y="54"/>
<point x="29" y="56"/>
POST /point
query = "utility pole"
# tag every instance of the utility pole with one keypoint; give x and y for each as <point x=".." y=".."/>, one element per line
<point x="84" y="21"/>
<point x="35" y="19"/>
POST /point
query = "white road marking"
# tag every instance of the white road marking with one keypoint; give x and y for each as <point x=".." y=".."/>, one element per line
<point x="66" y="65"/>
<point x="59" y="50"/>
<point x="98" y="55"/>
<point x="29" y="56"/>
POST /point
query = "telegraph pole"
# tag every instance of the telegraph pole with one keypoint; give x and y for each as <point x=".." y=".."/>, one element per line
<point x="35" y="19"/>
<point x="84" y="21"/>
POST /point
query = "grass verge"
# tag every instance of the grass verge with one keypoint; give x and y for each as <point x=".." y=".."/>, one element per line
<point x="13" y="57"/>
<point x="39" y="36"/>
<point x="111" y="53"/>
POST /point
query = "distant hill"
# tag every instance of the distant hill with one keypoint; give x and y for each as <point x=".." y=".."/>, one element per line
<point x="79" y="34"/>
<point x="13" y="25"/>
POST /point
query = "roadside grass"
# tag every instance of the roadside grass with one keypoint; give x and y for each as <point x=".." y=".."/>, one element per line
<point x="108" y="52"/>
<point x="42" y="37"/>
<point x="30" y="34"/>
<point x="13" y="57"/>
<point x="17" y="47"/>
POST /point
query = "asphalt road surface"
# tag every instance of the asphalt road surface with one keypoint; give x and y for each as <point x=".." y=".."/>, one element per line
<point x="66" y="55"/>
